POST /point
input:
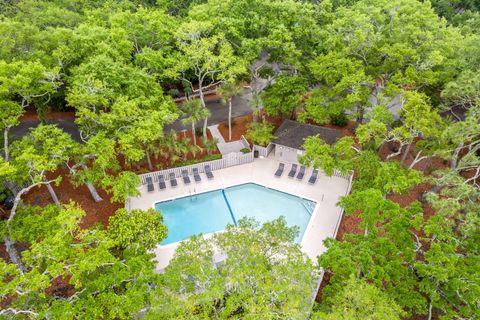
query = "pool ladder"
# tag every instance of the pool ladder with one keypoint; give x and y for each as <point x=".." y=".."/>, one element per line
<point x="193" y="196"/>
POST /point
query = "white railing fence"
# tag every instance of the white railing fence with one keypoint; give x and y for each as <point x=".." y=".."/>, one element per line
<point x="229" y="160"/>
<point x="347" y="176"/>
<point x="322" y="273"/>
<point x="264" y="151"/>
<point x="245" y="142"/>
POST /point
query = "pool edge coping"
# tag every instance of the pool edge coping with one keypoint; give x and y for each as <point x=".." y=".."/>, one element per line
<point x="208" y="235"/>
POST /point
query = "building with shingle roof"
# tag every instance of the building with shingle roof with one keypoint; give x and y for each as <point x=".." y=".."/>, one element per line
<point x="291" y="135"/>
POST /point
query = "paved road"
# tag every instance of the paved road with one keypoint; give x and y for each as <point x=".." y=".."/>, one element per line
<point x="68" y="125"/>
<point x="218" y="110"/>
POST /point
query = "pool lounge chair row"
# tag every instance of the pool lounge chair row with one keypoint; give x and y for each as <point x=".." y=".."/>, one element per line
<point x="293" y="172"/>
<point x="173" y="180"/>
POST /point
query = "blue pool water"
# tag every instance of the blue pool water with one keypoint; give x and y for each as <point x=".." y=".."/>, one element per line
<point x="212" y="211"/>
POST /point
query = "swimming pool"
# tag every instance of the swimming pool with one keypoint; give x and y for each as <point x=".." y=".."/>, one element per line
<point x="211" y="211"/>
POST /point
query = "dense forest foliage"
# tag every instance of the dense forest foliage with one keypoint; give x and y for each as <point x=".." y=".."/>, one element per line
<point x="406" y="71"/>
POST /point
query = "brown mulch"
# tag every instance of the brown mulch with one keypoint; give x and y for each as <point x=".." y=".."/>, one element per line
<point x="350" y="224"/>
<point x="426" y="165"/>
<point x="95" y="212"/>
<point x="66" y="192"/>
<point x="60" y="287"/>
<point x="31" y="114"/>
<point x="348" y="130"/>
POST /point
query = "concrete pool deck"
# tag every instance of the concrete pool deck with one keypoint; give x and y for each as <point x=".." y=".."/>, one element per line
<point x="326" y="192"/>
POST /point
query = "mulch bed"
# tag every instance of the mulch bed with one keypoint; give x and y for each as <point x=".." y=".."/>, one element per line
<point x="67" y="192"/>
<point x="31" y="114"/>
<point x="95" y="212"/>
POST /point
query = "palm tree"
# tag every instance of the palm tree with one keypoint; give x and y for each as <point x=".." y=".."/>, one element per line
<point x="209" y="145"/>
<point x="193" y="112"/>
<point x="183" y="148"/>
<point x="227" y="91"/>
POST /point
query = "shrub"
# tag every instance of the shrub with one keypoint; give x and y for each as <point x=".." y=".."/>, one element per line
<point x="194" y="161"/>
<point x="339" y="119"/>
<point x="245" y="150"/>
<point x="4" y="193"/>
<point x="260" y="133"/>
<point x="173" y="92"/>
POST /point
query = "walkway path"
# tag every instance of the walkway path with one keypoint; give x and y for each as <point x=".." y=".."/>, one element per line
<point x="216" y="133"/>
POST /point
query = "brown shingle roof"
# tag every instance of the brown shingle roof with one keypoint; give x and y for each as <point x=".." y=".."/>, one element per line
<point x="292" y="134"/>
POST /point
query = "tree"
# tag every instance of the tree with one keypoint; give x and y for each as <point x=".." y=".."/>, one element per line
<point x="227" y="91"/>
<point x="137" y="228"/>
<point x="361" y="300"/>
<point x="319" y="154"/>
<point x="374" y="49"/>
<point x="461" y="142"/>
<point x="210" y="145"/>
<point x="193" y="112"/>
<point x="209" y="57"/>
<point x="9" y="113"/>
<point x="383" y="255"/>
<point x="35" y="155"/>
<point x="344" y="85"/>
<point x="93" y="275"/>
<point x="263" y="275"/>
<point x="450" y="248"/>
<point x="31" y="81"/>
<point x="419" y="120"/>
<point x="96" y="163"/>
<point x="260" y="133"/>
<point x="284" y="95"/>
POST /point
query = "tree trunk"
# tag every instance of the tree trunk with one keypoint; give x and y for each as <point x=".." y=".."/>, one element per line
<point x="205" y="124"/>
<point x="430" y="310"/>
<point x="394" y="154"/>
<point x="5" y="144"/>
<point x="454" y="163"/>
<point x="53" y="194"/>
<point x="230" y="119"/>
<point x="149" y="161"/>
<point x="9" y="244"/>
<point x="13" y="253"/>
<point x="360" y="113"/>
<point x="425" y="166"/>
<point x="405" y="155"/>
<point x="202" y="101"/>
<point x="194" y="135"/>
<point x="93" y="192"/>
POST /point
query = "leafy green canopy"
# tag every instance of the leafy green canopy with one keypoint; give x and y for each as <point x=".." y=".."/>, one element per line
<point x="379" y="46"/>
<point x="263" y="275"/>
<point x="260" y="133"/>
<point x="81" y="273"/>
